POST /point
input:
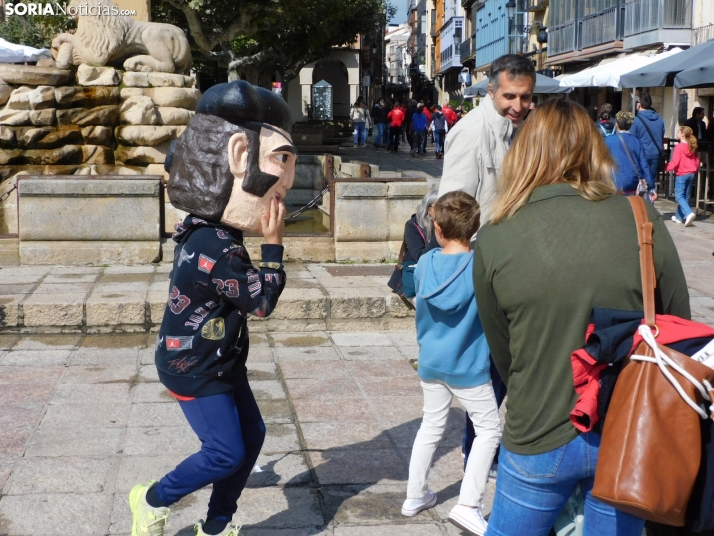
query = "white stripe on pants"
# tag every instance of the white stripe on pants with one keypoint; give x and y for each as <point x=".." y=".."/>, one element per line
<point x="480" y="403"/>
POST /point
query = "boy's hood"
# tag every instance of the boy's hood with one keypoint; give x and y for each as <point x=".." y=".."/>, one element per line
<point x="446" y="282"/>
<point x="649" y="115"/>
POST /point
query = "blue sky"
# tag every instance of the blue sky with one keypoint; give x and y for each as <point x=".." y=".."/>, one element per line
<point x="401" y="16"/>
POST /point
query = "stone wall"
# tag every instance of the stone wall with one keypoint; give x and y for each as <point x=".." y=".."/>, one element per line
<point x="97" y="121"/>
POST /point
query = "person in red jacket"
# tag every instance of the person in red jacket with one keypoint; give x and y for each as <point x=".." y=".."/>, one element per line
<point x="450" y="114"/>
<point x="395" y="118"/>
<point x="427" y="113"/>
<point x="685" y="165"/>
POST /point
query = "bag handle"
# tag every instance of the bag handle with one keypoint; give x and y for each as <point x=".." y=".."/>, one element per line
<point x="647" y="270"/>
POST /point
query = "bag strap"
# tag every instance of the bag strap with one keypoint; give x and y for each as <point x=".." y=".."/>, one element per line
<point x="629" y="156"/>
<point x="420" y="232"/>
<point x="659" y="149"/>
<point x="647" y="269"/>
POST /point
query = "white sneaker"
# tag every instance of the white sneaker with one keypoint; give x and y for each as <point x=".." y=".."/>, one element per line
<point x="675" y="219"/>
<point x="689" y="219"/>
<point x="412" y="507"/>
<point x="468" y="519"/>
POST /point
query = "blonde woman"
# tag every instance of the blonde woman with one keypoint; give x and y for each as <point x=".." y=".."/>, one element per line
<point x="559" y="243"/>
<point x="685" y="164"/>
<point x="361" y="121"/>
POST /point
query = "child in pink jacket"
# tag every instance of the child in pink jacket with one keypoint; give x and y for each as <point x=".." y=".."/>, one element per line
<point x="685" y="165"/>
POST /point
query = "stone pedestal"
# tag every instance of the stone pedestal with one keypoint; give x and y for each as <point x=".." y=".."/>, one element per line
<point x="71" y="220"/>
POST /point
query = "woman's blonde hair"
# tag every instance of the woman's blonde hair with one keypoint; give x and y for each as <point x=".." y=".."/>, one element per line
<point x="691" y="139"/>
<point x="557" y="143"/>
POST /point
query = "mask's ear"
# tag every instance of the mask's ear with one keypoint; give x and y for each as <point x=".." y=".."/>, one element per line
<point x="238" y="153"/>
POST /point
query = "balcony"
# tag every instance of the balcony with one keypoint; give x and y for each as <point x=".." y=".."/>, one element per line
<point x="434" y="33"/>
<point x="702" y="34"/>
<point x="599" y="28"/>
<point x="648" y="22"/>
<point x="467" y="50"/>
<point x="536" y="5"/>
<point x="561" y="39"/>
<point x="450" y="41"/>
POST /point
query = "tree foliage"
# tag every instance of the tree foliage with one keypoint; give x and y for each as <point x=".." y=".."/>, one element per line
<point x="264" y="36"/>
<point x="32" y="30"/>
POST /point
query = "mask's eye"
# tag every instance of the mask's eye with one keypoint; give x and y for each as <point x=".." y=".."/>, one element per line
<point x="283" y="158"/>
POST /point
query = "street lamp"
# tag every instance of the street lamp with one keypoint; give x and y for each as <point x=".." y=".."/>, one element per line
<point x="511" y="11"/>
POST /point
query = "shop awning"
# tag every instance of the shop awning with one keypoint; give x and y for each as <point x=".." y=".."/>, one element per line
<point x="543" y="85"/>
<point x="612" y="76"/>
<point x="662" y="72"/>
<point x="701" y="75"/>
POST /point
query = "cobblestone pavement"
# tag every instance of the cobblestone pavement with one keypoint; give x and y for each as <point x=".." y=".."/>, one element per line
<point x="83" y="419"/>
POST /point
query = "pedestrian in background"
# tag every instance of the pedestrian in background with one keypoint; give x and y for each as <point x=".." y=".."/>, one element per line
<point x="359" y="116"/>
<point x="631" y="172"/>
<point x="685" y="164"/>
<point x="697" y="124"/>
<point x="396" y="120"/>
<point x="648" y="127"/>
<point x="408" y="121"/>
<point x="541" y="265"/>
<point x="453" y="361"/>
<point x="379" y="116"/>
<point x="606" y="126"/>
<point x="427" y="112"/>
<point x="418" y="132"/>
<point x="440" y="128"/>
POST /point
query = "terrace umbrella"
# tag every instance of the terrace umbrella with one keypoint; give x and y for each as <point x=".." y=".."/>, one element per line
<point x="544" y="84"/>
<point x="701" y="75"/>
<point x="662" y="72"/>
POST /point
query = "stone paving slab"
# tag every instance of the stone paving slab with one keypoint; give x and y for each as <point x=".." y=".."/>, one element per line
<point x="74" y="438"/>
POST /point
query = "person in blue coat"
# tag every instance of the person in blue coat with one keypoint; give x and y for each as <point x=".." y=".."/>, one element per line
<point x="648" y="127"/>
<point x="630" y="158"/>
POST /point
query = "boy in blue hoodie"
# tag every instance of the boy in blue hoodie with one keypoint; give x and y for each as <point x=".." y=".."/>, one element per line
<point x="453" y="361"/>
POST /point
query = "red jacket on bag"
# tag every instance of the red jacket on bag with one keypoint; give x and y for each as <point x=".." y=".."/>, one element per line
<point x="450" y="115"/>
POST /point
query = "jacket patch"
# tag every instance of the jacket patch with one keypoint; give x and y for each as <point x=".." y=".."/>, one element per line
<point x="229" y="287"/>
<point x="184" y="257"/>
<point x="222" y="234"/>
<point x="183" y="365"/>
<point x="177" y="301"/>
<point x="214" y="330"/>
<point x="174" y="344"/>
<point x="206" y="264"/>
<point x="200" y="314"/>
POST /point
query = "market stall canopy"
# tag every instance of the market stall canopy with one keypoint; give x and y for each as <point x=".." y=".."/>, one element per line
<point x="584" y="78"/>
<point x="13" y="53"/>
<point x="611" y="77"/>
<point x="701" y="75"/>
<point x="543" y="85"/>
<point x="662" y="72"/>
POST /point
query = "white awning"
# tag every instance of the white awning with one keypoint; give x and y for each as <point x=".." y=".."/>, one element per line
<point x="13" y="53"/>
<point x="610" y="77"/>
<point x="585" y="77"/>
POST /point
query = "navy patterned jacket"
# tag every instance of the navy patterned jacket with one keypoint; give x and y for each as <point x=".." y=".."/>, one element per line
<point x="203" y="341"/>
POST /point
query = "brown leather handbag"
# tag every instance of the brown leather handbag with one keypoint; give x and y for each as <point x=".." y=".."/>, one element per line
<point x="651" y="443"/>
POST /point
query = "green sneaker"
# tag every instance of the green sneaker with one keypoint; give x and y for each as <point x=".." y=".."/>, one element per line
<point x="147" y="521"/>
<point x="230" y="530"/>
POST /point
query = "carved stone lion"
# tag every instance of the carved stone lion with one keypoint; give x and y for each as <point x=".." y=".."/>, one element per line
<point x="104" y="37"/>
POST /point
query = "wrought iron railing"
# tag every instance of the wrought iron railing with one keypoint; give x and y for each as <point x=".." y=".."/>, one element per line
<point x="702" y="34"/>
<point x="599" y="28"/>
<point x="645" y="15"/>
<point x="561" y="39"/>
<point x="466" y="49"/>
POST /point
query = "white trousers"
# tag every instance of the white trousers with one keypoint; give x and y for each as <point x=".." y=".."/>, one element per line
<point x="480" y="403"/>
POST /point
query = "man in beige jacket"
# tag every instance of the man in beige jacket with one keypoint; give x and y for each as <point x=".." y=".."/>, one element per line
<point x="477" y="144"/>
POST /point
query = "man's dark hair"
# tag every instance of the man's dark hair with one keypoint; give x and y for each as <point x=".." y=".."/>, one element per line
<point x="697" y="110"/>
<point x="645" y="101"/>
<point x="200" y="178"/>
<point x="513" y="65"/>
<point x="458" y="214"/>
<point x="605" y="116"/>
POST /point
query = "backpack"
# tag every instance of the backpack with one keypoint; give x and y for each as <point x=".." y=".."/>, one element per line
<point x="607" y="128"/>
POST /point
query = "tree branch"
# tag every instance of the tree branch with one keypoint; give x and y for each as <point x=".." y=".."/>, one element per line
<point x="206" y="45"/>
<point x="249" y="60"/>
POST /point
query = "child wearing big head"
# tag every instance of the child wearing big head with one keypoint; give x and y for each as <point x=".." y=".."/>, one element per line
<point x="230" y="170"/>
<point x="453" y="361"/>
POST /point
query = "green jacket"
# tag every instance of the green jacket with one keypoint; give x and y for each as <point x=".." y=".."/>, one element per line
<point x="537" y="277"/>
